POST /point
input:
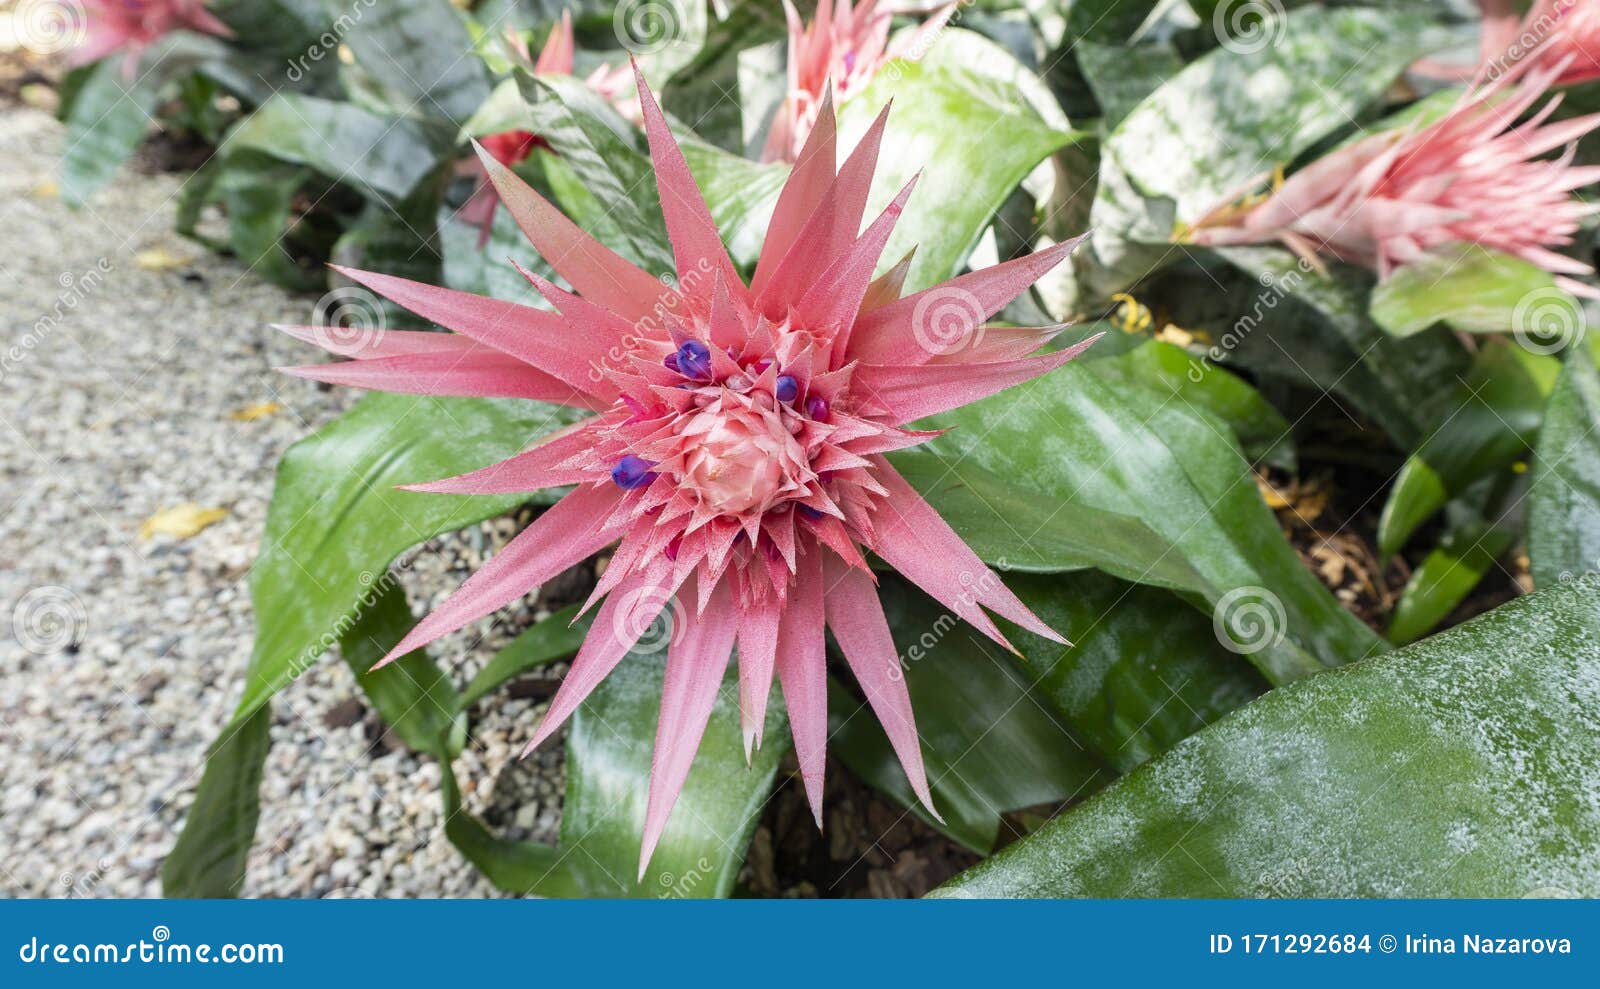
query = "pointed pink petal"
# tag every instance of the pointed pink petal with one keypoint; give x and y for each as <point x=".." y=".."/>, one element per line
<point x="891" y="335"/>
<point x="803" y="193"/>
<point x="803" y="672"/>
<point x="910" y="392"/>
<point x="626" y="614"/>
<point x="533" y="336"/>
<point x="858" y="624"/>
<point x="758" y="651"/>
<point x="887" y="287"/>
<point x="919" y="543"/>
<point x="479" y="373"/>
<point x="574" y="529"/>
<point x="596" y="271"/>
<point x="555" y="58"/>
<point x="695" y="239"/>
<point x="696" y="663"/>
<point x="356" y="342"/>
<point x="832" y="303"/>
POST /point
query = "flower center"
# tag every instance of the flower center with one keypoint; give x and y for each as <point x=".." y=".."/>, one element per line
<point x="740" y="455"/>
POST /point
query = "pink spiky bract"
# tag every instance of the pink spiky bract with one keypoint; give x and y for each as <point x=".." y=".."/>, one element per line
<point x="843" y="46"/>
<point x="131" y="26"/>
<point x="735" y="455"/>
<point x="1475" y="176"/>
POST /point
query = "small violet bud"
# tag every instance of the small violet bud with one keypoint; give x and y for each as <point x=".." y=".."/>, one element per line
<point x="788" y="388"/>
<point x="631" y="472"/>
<point x="807" y="512"/>
<point x="817" y="408"/>
<point x="693" y="360"/>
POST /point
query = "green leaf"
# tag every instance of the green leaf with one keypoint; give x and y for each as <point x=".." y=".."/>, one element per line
<point x="975" y="121"/>
<point x="288" y="28"/>
<point x="1122" y="77"/>
<point x="1084" y="435"/>
<point x="418" y="52"/>
<point x="527" y="868"/>
<point x="1471" y="288"/>
<point x="1564" y="504"/>
<point x="257" y="192"/>
<point x="1446" y="577"/>
<point x="1493" y="417"/>
<point x="337" y="521"/>
<point x="989" y="740"/>
<point x="608" y="762"/>
<point x="1143" y="671"/>
<point x="717" y="94"/>
<point x="208" y="860"/>
<point x="107" y="122"/>
<point x="1234" y="114"/>
<point x="383" y="157"/>
<point x="1291" y="322"/>
<point x="555" y="637"/>
<point x="414" y="696"/>
<point x="1462" y="766"/>
<point x="1107" y="21"/>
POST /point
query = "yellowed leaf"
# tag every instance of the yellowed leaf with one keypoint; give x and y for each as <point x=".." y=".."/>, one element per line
<point x="48" y="189"/>
<point x="158" y="258"/>
<point x="250" y="413"/>
<point x="180" y="521"/>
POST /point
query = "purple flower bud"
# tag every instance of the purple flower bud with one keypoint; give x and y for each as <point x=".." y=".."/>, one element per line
<point x="788" y="388"/>
<point x="817" y="408"/>
<point x="632" y="472"/>
<point x="694" y="360"/>
<point x="807" y="512"/>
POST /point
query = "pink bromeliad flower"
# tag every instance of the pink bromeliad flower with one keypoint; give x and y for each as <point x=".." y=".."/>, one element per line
<point x="511" y="147"/>
<point x="735" y="457"/>
<point x="1473" y="176"/>
<point x="133" y="25"/>
<point x="844" y="44"/>
<point x="1553" y="31"/>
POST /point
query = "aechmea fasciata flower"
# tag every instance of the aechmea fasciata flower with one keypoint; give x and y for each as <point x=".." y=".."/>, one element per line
<point x="1552" y="32"/>
<point x="845" y="46"/>
<point x="736" y="455"/>
<point x="131" y="26"/>
<point x="556" y="58"/>
<point x="1475" y="175"/>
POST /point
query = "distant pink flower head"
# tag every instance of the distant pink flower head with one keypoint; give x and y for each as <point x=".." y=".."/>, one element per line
<point x="1554" y="31"/>
<point x="736" y="454"/>
<point x="845" y="45"/>
<point x="1472" y="176"/>
<point x="514" y="146"/>
<point x="132" y="26"/>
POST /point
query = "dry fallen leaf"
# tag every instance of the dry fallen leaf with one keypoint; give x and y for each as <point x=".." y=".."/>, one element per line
<point x="48" y="189"/>
<point x="158" y="258"/>
<point x="180" y="521"/>
<point x="250" y="413"/>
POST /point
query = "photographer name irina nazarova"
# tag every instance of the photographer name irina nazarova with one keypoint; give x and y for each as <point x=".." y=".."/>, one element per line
<point x="1479" y="944"/>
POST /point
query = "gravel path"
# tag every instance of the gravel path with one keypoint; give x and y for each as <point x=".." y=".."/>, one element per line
<point x="131" y="362"/>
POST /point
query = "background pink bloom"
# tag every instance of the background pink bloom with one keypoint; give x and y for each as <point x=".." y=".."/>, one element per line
<point x="735" y="460"/>
<point x="1475" y="175"/>
<point x="844" y="44"/>
<point x="511" y="147"/>
<point x="132" y="25"/>
<point x="1554" y="31"/>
